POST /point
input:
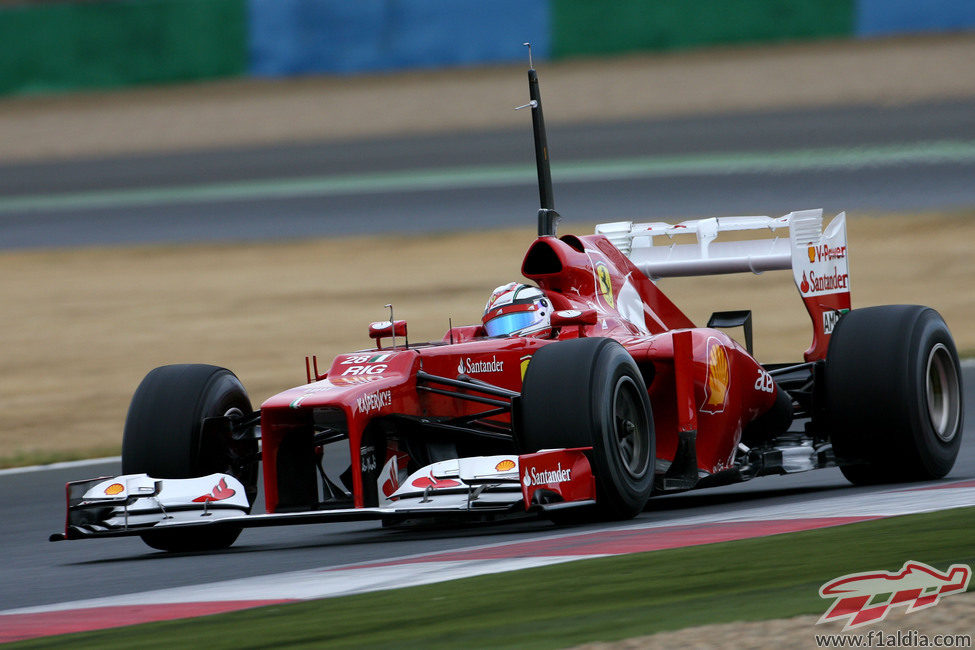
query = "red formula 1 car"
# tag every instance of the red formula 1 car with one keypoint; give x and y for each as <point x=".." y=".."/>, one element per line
<point x="577" y="396"/>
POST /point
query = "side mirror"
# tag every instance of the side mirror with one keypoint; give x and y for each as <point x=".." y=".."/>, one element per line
<point x="385" y="329"/>
<point x="569" y="317"/>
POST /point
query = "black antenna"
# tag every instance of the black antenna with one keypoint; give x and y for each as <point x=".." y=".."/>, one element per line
<point x="548" y="218"/>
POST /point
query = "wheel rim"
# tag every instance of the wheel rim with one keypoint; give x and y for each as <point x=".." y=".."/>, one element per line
<point x="943" y="393"/>
<point x="230" y="458"/>
<point x="630" y="423"/>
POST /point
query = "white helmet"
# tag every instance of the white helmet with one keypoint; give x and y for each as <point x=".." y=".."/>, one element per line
<point x="517" y="309"/>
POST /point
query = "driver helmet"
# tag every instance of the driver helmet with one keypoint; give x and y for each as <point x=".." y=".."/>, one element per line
<point x="517" y="309"/>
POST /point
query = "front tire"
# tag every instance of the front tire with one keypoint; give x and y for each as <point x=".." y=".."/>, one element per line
<point x="163" y="439"/>
<point x="589" y="393"/>
<point x="894" y="395"/>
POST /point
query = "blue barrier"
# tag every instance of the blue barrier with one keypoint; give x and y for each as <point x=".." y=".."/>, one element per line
<point x="289" y="37"/>
<point x="885" y="17"/>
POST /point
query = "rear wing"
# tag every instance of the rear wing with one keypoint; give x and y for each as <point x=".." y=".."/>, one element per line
<point x="796" y="241"/>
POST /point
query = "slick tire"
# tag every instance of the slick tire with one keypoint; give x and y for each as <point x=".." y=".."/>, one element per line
<point x="893" y="395"/>
<point x="589" y="393"/>
<point x="163" y="439"/>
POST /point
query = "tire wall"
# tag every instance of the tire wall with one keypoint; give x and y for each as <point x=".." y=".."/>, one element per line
<point x="888" y="17"/>
<point x="84" y="45"/>
<point x="59" y="46"/>
<point x="289" y="37"/>
<point x="585" y="28"/>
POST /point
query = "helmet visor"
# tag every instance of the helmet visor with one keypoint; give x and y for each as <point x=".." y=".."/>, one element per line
<point x="509" y="323"/>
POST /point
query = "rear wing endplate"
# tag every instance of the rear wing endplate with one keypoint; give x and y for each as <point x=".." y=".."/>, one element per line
<point x="796" y="241"/>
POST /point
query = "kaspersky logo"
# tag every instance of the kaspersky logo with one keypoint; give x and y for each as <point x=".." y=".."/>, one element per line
<point x="865" y="598"/>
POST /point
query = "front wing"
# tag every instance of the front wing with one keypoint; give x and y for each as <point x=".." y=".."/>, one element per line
<point x="476" y="487"/>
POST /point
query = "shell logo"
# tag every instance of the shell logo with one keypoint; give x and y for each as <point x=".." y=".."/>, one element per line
<point x="505" y="465"/>
<point x="812" y="254"/>
<point x="524" y="365"/>
<point x="114" y="488"/>
<point x="718" y="378"/>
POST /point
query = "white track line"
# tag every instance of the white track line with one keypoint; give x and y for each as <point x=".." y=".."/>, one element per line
<point x="310" y="584"/>
<point x="324" y="582"/>
<point x="64" y="465"/>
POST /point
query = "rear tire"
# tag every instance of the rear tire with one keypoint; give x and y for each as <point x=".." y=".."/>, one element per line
<point x="589" y="393"/>
<point x="163" y="439"/>
<point x="894" y="395"/>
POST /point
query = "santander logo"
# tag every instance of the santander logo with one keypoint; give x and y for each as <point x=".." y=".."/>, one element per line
<point x="544" y="477"/>
<point x="219" y="492"/>
<point x="434" y="483"/>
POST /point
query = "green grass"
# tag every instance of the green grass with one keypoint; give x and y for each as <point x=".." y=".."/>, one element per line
<point x="600" y="599"/>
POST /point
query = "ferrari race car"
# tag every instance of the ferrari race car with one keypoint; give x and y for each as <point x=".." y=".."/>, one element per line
<point x="576" y="397"/>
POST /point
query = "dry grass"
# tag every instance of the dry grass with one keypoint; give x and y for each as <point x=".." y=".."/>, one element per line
<point x="951" y="616"/>
<point x="81" y="327"/>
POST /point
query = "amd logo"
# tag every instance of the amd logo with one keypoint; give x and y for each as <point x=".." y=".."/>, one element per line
<point x="830" y="318"/>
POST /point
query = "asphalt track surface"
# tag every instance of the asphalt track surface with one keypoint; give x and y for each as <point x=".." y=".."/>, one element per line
<point x="869" y="158"/>
<point x="37" y="572"/>
<point x="884" y="158"/>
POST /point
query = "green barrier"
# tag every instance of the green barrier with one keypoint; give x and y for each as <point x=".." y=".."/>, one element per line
<point x="587" y="27"/>
<point x="105" y="44"/>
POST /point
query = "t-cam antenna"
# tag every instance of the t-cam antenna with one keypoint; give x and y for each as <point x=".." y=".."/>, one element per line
<point x="548" y="218"/>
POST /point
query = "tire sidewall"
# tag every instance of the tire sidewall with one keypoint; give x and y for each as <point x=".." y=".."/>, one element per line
<point x="163" y="429"/>
<point x="567" y="401"/>
<point x="225" y="394"/>
<point x="936" y="455"/>
<point x="163" y="438"/>
<point x="626" y="494"/>
<point x="876" y="397"/>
